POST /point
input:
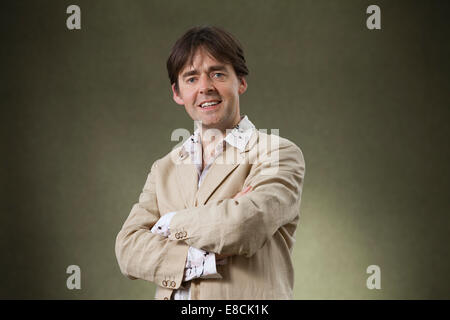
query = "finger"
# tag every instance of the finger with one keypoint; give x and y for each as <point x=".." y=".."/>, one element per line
<point x="241" y="193"/>
<point x="247" y="189"/>
<point x="237" y="195"/>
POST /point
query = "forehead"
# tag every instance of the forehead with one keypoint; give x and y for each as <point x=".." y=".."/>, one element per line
<point x="203" y="59"/>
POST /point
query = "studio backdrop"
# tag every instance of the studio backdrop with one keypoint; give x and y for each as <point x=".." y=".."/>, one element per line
<point x="87" y="108"/>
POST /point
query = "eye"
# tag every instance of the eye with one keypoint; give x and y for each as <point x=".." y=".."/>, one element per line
<point x="189" y="80"/>
<point x="218" y="73"/>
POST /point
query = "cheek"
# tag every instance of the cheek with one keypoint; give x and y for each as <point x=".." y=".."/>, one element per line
<point x="232" y="95"/>
<point x="189" y="98"/>
<point x="187" y="94"/>
<point x="229" y="93"/>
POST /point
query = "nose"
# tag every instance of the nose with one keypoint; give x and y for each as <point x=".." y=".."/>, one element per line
<point x="206" y="84"/>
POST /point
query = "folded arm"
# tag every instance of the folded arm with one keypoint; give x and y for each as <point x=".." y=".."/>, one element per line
<point x="143" y="254"/>
<point x="242" y="226"/>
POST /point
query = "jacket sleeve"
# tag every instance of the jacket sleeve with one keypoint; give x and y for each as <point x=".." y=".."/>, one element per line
<point x="242" y="226"/>
<point x="143" y="254"/>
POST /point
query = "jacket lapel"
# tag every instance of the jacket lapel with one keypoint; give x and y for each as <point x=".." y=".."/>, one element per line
<point x="187" y="176"/>
<point x="222" y="167"/>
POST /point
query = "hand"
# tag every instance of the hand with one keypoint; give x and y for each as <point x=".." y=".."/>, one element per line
<point x="241" y="193"/>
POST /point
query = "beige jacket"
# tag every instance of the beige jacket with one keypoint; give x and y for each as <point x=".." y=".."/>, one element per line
<point x="258" y="229"/>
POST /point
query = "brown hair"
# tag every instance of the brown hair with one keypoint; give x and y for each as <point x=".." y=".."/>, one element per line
<point x="218" y="42"/>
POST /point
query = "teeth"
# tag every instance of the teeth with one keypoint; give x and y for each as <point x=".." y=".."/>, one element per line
<point x="207" y="104"/>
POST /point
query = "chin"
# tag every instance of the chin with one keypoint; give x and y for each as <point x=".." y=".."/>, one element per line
<point x="212" y="125"/>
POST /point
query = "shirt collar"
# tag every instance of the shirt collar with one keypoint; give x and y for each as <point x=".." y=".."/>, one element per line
<point x="237" y="137"/>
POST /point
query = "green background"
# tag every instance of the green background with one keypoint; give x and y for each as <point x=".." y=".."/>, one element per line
<point x="85" y="113"/>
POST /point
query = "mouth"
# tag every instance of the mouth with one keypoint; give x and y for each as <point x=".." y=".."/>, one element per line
<point x="210" y="105"/>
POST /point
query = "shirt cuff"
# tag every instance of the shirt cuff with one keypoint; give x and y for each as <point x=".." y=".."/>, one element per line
<point x="161" y="227"/>
<point x="200" y="264"/>
<point x="209" y="267"/>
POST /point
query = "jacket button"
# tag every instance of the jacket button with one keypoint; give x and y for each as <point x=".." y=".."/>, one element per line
<point x="173" y="284"/>
<point x="166" y="298"/>
<point x="164" y="283"/>
<point x="184" y="234"/>
<point x="177" y="235"/>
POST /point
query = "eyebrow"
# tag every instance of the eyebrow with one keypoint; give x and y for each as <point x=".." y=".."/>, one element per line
<point x="210" y="69"/>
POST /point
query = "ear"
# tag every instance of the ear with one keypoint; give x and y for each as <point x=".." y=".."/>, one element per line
<point x="176" y="96"/>
<point x="242" y="85"/>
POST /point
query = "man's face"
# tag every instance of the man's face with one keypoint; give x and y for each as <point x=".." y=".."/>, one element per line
<point x="209" y="80"/>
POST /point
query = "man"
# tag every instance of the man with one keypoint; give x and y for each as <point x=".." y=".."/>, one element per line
<point x="217" y="215"/>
